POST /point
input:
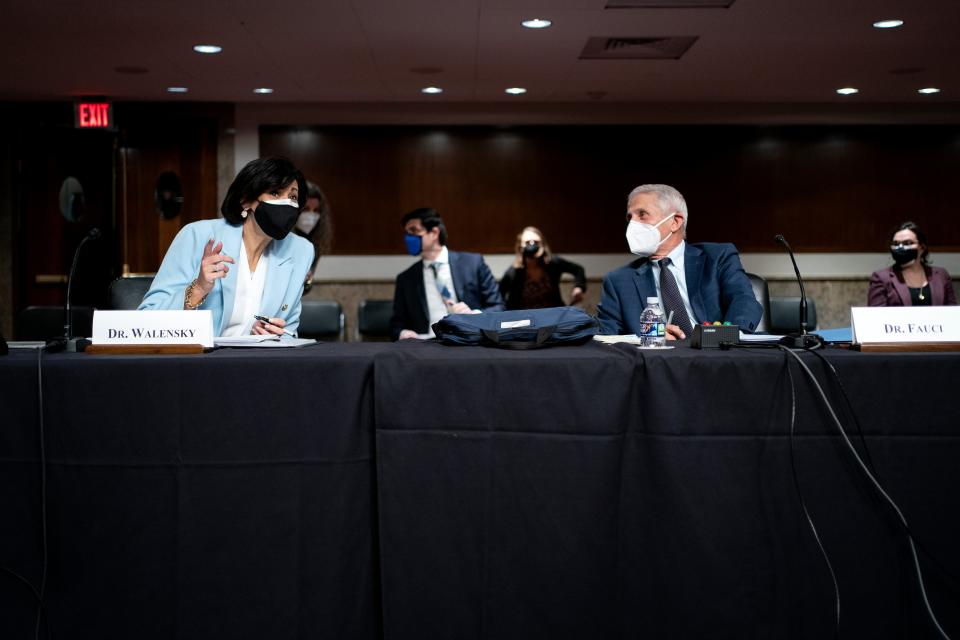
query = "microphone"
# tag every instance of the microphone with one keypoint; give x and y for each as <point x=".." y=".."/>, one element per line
<point x="68" y="340"/>
<point x="802" y="340"/>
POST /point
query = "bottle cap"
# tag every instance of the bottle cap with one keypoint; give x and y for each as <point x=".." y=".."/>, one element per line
<point x="653" y="300"/>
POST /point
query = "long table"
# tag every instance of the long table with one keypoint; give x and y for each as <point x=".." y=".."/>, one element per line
<point x="415" y="490"/>
<point x="227" y="495"/>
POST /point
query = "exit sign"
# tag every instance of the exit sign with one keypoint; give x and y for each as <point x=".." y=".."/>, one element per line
<point x="93" y="115"/>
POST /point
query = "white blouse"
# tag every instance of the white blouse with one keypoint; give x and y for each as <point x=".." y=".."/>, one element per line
<point x="249" y="294"/>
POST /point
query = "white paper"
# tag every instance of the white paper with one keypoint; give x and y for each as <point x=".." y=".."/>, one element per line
<point x="631" y="338"/>
<point x="759" y="337"/>
<point x="265" y="341"/>
<point x="242" y="341"/>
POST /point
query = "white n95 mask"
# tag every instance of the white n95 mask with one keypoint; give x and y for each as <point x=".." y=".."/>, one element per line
<point x="307" y="221"/>
<point x="643" y="238"/>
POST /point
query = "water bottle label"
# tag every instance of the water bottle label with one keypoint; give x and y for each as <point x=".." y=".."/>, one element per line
<point x="653" y="329"/>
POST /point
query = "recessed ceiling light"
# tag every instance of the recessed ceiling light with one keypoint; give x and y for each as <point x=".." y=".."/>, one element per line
<point x="431" y="90"/>
<point x="848" y="91"/>
<point x="928" y="90"/>
<point x="516" y="91"/>
<point x="177" y="89"/>
<point x="537" y="23"/>
<point x="207" y="48"/>
<point x="263" y="90"/>
<point x="888" y="24"/>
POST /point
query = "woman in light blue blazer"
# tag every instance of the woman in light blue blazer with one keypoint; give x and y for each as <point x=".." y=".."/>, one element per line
<point x="247" y="263"/>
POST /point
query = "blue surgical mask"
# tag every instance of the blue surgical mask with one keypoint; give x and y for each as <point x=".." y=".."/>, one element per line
<point x="414" y="244"/>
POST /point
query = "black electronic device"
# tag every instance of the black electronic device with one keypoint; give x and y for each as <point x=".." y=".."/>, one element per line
<point x="801" y="340"/>
<point x="712" y="336"/>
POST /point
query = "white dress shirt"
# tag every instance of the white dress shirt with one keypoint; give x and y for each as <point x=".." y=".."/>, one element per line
<point x="677" y="269"/>
<point x="249" y="293"/>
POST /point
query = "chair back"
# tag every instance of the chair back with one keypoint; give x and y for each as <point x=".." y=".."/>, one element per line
<point x="126" y="294"/>
<point x="785" y="315"/>
<point x="762" y="294"/>
<point x="373" y="319"/>
<point x="44" y="323"/>
<point x="322" y="319"/>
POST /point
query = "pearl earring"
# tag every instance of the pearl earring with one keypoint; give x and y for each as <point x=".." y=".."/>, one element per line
<point x="244" y="214"/>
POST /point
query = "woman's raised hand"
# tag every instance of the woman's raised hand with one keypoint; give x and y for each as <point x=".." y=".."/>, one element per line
<point x="212" y="266"/>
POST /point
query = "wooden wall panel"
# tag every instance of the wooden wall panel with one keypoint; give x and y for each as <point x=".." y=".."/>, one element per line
<point x="152" y="143"/>
<point x="826" y="188"/>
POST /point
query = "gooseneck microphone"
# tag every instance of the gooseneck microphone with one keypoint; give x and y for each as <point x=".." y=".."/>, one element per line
<point x="68" y="339"/>
<point x="801" y="340"/>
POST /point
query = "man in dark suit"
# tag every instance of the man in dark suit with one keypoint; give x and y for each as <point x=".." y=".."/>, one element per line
<point x="696" y="282"/>
<point x="442" y="282"/>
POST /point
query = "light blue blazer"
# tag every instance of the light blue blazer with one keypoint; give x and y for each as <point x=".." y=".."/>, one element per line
<point x="290" y="260"/>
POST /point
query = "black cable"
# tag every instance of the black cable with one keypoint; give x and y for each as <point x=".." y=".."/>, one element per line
<point x="43" y="497"/>
<point x="38" y="594"/>
<point x="803" y="503"/>
<point x="879" y="488"/>
<point x="866" y="450"/>
<point x="846" y="399"/>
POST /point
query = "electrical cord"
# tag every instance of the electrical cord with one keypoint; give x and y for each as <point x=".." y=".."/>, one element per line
<point x="39" y="594"/>
<point x="877" y="486"/>
<point x="43" y="498"/>
<point x="955" y="580"/>
<point x="803" y="503"/>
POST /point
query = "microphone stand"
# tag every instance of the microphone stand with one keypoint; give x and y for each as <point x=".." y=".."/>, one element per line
<point x="69" y="341"/>
<point x="801" y="340"/>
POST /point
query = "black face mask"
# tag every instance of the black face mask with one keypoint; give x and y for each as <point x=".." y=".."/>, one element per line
<point x="531" y="250"/>
<point x="903" y="255"/>
<point x="276" y="220"/>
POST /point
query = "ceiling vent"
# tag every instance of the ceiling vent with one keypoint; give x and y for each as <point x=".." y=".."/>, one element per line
<point x="665" y="48"/>
<point x="669" y="4"/>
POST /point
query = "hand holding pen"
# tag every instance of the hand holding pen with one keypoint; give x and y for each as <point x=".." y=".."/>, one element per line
<point x="270" y="326"/>
<point x="674" y="332"/>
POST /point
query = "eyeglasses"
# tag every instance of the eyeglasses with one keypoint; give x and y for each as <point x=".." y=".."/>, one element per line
<point x="909" y="244"/>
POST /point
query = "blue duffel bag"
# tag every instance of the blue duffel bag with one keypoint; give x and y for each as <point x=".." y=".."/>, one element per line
<point x="524" y="329"/>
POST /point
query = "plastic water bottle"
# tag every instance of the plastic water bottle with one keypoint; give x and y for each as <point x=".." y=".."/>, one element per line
<point x="653" y="329"/>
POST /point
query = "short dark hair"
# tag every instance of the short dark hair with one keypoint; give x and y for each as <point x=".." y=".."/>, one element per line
<point x="921" y="238"/>
<point x="257" y="177"/>
<point x="429" y="218"/>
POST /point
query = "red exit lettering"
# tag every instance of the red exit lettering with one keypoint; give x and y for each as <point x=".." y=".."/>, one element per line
<point x="93" y="115"/>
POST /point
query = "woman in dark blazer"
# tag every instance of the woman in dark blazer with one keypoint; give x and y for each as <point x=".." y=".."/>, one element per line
<point x="911" y="281"/>
<point x="533" y="281"/>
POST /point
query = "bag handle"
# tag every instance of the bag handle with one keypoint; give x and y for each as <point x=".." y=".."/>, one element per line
<point x="543" y="334"/>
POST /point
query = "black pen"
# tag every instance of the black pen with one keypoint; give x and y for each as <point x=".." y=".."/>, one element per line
<point x="267" y="321"/>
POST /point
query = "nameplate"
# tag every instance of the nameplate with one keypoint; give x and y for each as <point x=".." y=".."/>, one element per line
<point x="153" y="327"/>
<point x="905" y="324"/>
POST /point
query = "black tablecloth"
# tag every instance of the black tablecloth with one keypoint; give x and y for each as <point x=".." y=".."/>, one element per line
<point x="608" y="492"/>
<point x="593" y="491"/>
<point x="223" y="495"/>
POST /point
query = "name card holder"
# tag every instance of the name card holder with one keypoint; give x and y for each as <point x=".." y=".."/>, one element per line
<point x="892" y="329"/>
<point x="151" y="332"/>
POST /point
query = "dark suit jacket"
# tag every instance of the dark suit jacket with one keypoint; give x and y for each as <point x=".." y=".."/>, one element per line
<point x="887" y="288"/>
<point x="474" y="284"/>
<point x="717" y="287"/>
<point x="511" y="284"/>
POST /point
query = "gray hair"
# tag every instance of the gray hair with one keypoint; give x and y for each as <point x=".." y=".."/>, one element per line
<point x="668" y="199"/>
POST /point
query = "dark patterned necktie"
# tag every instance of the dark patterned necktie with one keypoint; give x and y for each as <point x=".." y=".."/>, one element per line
<point x="672" y="301"/>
